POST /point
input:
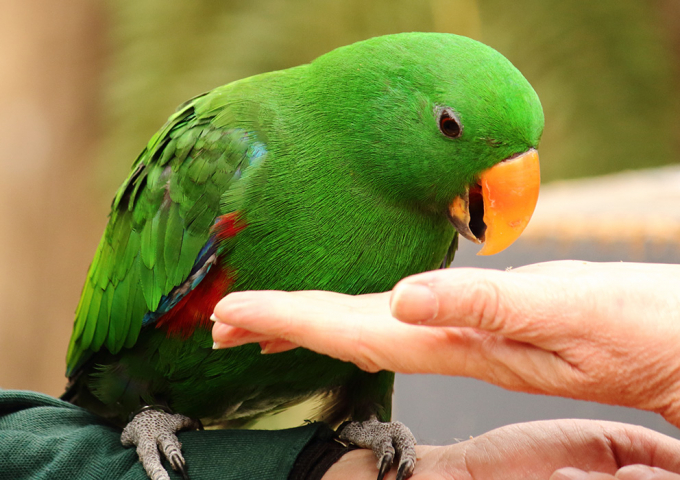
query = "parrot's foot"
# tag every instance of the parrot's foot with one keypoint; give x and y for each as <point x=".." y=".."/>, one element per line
<point x="151" y="430"/>
<point x="385" y="439"/>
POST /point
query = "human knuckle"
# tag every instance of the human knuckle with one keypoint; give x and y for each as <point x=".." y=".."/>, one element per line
<point x="485" y="309"/>
<point x="364" y="354"/>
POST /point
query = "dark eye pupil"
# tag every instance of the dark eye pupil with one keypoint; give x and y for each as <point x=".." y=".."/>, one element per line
<point x="449" y="126"/>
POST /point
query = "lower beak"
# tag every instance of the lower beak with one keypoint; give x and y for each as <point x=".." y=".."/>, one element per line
<point x="498" y="207"/>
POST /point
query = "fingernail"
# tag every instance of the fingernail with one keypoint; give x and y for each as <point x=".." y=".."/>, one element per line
<point x="569" y="473"/>
<point x="414" y="303"/>
<point x="217" y="346"/>
<point x="213" y="317"/>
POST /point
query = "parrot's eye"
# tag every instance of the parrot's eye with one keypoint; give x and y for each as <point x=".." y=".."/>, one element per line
<point x="449" y="123"/>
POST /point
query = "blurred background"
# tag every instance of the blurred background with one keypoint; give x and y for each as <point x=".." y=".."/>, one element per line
<point x="84" y="84"/>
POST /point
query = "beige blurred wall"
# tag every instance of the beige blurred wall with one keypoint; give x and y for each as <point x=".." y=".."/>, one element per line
<point x="50" y="75"/>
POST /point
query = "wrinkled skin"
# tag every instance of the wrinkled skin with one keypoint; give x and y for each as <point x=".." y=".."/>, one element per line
<point x="537" y="450"/>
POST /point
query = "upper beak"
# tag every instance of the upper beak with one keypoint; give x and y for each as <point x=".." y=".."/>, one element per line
<point x="498" y="207"/>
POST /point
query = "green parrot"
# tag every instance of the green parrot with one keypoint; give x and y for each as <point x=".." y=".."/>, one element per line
<point x="346" y="174"/>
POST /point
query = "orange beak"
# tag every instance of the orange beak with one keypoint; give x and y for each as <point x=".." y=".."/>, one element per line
<point x="496" y="210"/>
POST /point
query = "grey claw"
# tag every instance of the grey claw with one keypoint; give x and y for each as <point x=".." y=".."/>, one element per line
<point x="183" y="471"/>
<point x="405" y="469"/>
<point x="385" y="465"/>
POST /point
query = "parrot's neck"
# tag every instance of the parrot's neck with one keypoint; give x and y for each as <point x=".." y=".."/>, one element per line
<point x="293" y="239"/>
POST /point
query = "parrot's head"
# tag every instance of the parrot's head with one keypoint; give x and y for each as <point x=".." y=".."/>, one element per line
<point x="440" y="121"/>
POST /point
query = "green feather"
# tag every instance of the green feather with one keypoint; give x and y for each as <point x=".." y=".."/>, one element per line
<point x="168" y="153"/>
<point x="172" y="245"/>
<point x="185" y="143"/>
<point x="83" y="308"/>
<point x="122" y="245"/>
<point x="138" y="184"/>
<point x="147" y="246"/>
<point x="158" y="224"/>
<point x="89" y="327"/>
<point x="121" y="319"/>
<point x="124" y="262"/>
<point x="148" y="286"/>
<point x="136" y="308"/>
<point x="103" y="319"/>
<point x="190" y="244"/>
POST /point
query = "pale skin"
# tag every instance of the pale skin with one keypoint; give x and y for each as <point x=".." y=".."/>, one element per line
<point x="555" y="450"/>
<point x="605" y="332"/>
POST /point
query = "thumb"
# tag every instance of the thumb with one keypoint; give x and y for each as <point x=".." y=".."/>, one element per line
<point x="511" y="303"/>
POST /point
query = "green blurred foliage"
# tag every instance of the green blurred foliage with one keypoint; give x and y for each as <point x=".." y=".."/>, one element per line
<point x="605" y="73"/>
<point x="604" y="70"/>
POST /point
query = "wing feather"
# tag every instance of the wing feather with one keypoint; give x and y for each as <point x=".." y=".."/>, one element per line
<point x="136" y="310"/>
<point x="103" y="317"/>
<point x="119" y="309"/>
<point x="160" y="221"/>
<point x="172" y="245"/>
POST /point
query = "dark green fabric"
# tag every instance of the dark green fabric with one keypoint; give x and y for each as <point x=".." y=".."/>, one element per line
<point x="45" y="438"/>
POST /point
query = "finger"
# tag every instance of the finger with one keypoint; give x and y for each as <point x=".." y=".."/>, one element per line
<point x="245" y="304"/>
<point x="346" y="333"/>
<point x="326" y="322"/>
<point x="528" y="307"/>
<point x="645" y="472"/>
<point x="284" y="314"/>
<point x="226" y="336"/>
<point x="585" y="445"/>
<point x="277" y="346"/>
<point x="571" y="473"/>
<point x="636" y="446"/>
<point x="343" y="331"/>
<point x="336" y="325"/>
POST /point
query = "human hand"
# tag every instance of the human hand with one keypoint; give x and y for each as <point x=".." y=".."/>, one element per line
<point x="606" y="332"/>
<point x="554" y="449"/>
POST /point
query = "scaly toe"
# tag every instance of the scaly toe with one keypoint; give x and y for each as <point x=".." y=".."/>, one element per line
<point x="386" y="440"/>
<point x="153" y="430"/>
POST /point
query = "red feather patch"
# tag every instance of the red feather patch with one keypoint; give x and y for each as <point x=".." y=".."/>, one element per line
<point x="194" y="310"/>
<point x="227" y="226"/>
